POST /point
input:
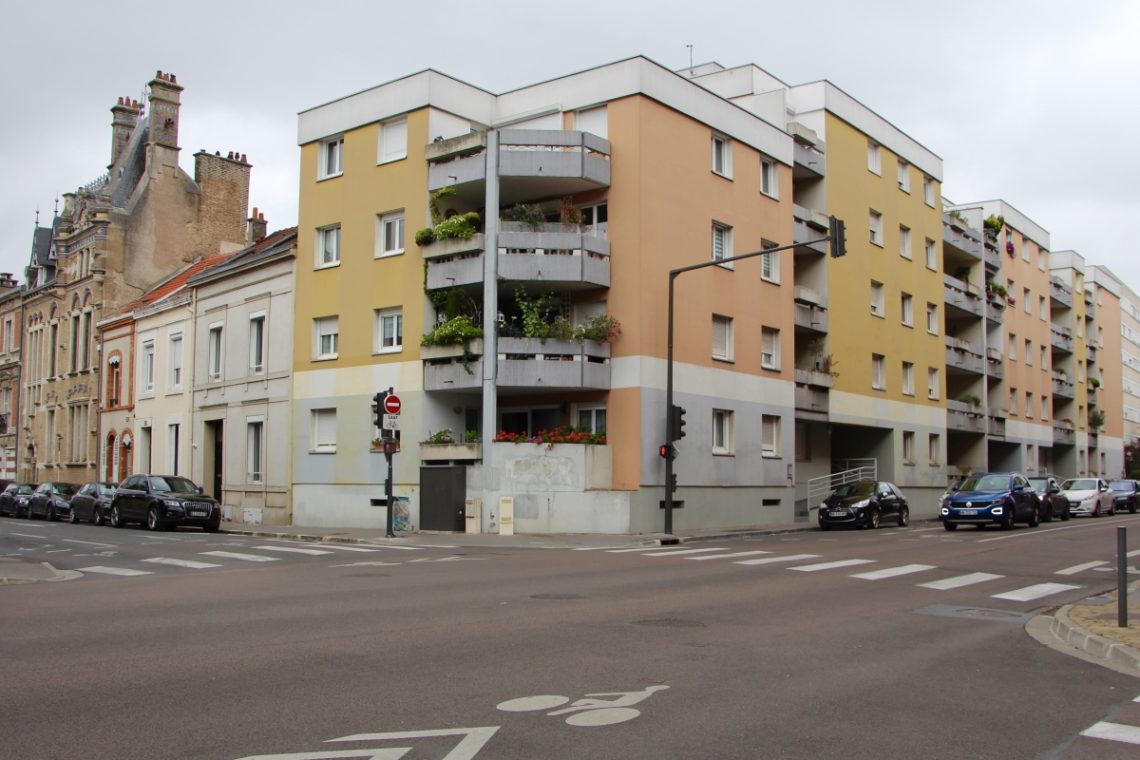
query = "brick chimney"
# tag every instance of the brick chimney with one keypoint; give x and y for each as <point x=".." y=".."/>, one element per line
<point x="124" y="117"/>
<point x="224" y="209"/>
<point x="165" y="99"/>
<point x="7" y="282"/>
<point x="255" y="226"/>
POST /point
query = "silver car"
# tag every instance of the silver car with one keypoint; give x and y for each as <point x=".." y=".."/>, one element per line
<point x="1089" y="496"/>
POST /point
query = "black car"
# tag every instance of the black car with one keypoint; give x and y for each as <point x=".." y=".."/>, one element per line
<point x="1126" y="494"/>
<point x="51" y="500"/>
<point x="1053" y="504"/>
<point x="14" y="499"/>
<point x="92" y="503"/>
<point x="162" y="502"/>
<point x="866" y="503"/>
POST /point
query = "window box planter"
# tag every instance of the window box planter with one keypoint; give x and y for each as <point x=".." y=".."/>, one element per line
<point x="447" y="452"/>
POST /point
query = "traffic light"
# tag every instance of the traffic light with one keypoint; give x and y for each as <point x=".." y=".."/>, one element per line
<point x="666" y="451"/>
<point x="837" y="232"/>
<point x="676" y="423"/>
<point x="378" y="410"/>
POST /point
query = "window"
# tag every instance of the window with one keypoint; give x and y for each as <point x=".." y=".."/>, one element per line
<point x="393" y="140"/>
<point x="1013" y="401"/>
<point x="1044" y="357"/>
<point x="172" y="439"/>
<point x="253" y="449"/>
<point x="875" y="222"/>
<point x="722" y="431"/>
<point x="323" y="431"/>
<point x="931" y="255"/>
<point x="257" y="343"/>
<point x="770" y="263"/>
<point x="907" y="307"/>
<point x="770" y="348"/>
<point x="328" y="246"/>
<point x="326" y="334"/>
<point x="175" y="373"/>
<point x="722" y="156"/>
<point x="769" y="435"/>
<point x="88" y="336"/>
<point x="721" y="242"/>
<point x="389" y="330"/>
<point x="6" y="401"/>
<point x="1028" y="352"/>
<point x="74" y="351"/>
<point x="878" y="374"/>
<point x="1028" y="405"/>
<point x="214" y="355"/>
<point x="1012" y="347"/>
<point x="1027" y="300"/>
<point x="908" y="446"/>
<point x="592" y="419"/>
<point x="904" y="176"/>
<point x="332" y="158"/>
<point x="390" y="234"/>
<point x="1044" y="407"/>
<point x="874" y="158"/>
<point x="928" y="191"/>
<point x="9" y="345"/>
<point x="769" y="182"/>
<point x="114" y="381"/>
<point x="1042" y="307"/>
<point x="1025" y="254"/>
<point x="934" y="448"/>
<point x="933" y="384"/>
<point x="53" y="343"/>
<point x="148" y="367"/>
<point x="908" y="378"/>
<point x="904" y="242"/>
<point x="722" y="338"/>
<point x="878" y="308"/>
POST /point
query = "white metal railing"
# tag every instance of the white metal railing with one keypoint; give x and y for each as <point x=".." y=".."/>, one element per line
<point x="850" y="471"/>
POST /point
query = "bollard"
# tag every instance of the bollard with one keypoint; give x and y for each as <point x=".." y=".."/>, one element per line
<point x="1122" y="577"/>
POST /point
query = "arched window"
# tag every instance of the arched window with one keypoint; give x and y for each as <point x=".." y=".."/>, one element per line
<point x="112" y="457"/>
<point x="114" y="381"/>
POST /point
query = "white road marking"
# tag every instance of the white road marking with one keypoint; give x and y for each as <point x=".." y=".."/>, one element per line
<point x="1035" y="591"/>
<point x="1078" y="568"/>
<point x="377" y="563"/>
<point x="292" y="550"/>
<point x="770" y="560"/>
<point x="638" y="549"/>
<point x="1042" y="531"/>
<point x="113" y="570"/>
<point x="28" y="535"/>
<point x="341" y="548"/>
<point x="89" y="543"/>
<point x="892" y="572"/>
<point x="831" y="565"/>
<point x="958" y="581"/>
<point x="730" y="556"/>
<point x="244" y="557"/>
<point x="1135" y="553"/>
<point x="54" y="551"/>
<point x="675" y="552"/>
<point x="180" y="562"/>
<point x="1116" y="732"/>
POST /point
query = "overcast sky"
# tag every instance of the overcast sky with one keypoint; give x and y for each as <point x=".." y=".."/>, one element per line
<point x="1032" y="102"/>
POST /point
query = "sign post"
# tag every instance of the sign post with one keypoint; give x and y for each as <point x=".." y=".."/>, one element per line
<point x="390" y="407"/>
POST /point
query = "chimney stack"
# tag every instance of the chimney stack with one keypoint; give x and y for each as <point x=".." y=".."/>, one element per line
<point x="7" y="281"/>
<point x="165" y="100"/>
<point x="255" y="226"/>
<point x="124" y="117"/>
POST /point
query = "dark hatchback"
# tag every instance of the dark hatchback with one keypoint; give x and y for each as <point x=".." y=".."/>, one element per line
<point x="14" y="499"/>
<point x="92" y="503"/>
<point x="1125" y="494"/>
<point x="992" y="498"/>
<point x="864" y="503"/>
<point x="1053" y="504"/>
<point x="51" y="500"/>
<point x="162" y="502"/>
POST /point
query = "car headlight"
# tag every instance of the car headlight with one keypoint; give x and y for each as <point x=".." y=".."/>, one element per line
<point x="945" y="510"/>
<point x="860" y="504"/>
<point x="172" y="503"/>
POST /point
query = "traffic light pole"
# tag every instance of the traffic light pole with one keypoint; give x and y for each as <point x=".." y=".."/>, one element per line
<point x="838" y="245"/>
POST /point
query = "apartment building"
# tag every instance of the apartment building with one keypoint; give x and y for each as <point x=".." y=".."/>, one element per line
<point x="549" y="219"/>
<point x="1129" y="351"/>
<point x="1106" y="386"/>
<point x="11" y="330"/>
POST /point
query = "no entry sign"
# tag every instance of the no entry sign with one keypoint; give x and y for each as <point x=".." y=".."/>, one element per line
<point x="392" y="404"/>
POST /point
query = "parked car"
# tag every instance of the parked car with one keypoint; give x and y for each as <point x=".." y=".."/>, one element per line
<point x="866" y="503"/>
<point x="1126" y="494"/>
<point x="992" y="498"/>
<point x="51" y="500"/>
<point x="92" y="503"/>
<point x="162" y="502"/>
<point x="14" y="499"/>
<point x="1053" y="504"/>
<point x="1089" y="496"/>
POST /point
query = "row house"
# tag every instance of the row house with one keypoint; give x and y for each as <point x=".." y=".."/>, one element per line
<point x="11" y="324"/>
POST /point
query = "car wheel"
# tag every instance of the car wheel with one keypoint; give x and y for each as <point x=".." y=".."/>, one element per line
<point x="1096" y="511"/>
<point x="949" y="525"/>
<point x="1010" y="519"/>
<point x="72" y="516"/>
<point x="116" y="518"/>
<point x="873" y="519"/>
<point x="1034" y="518"/>
<point x="1132" y="508"/>
<point x="153" y="520"/>
<point x="904" y="516"/>
<point x="96" y="518"/>
<point x="1112" y="510"/>
<point x="1065" y="515"/>
<point x="212" y="527"/>
<point x="50" y="515"/>
<point x="1048" y="515"/>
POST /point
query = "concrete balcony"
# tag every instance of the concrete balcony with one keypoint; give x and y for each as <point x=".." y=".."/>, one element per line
<point x="810" y="310"/>
<point x="1061" y="294"/>
<point x="809" y="160"/>
<point x="809" y="227"/>
<point x="1061" y="339"/>
<point x="560" y="256"/>
<point x="524" y="365"/>
<point x="1090" y="353"/>
<point x="1062" y="387"/>
<point x="995" y="423"/>
<point x="450" y="452"/>
<point x="1093" y="396"/>
<point x="1090" y="307"/>
<point x="964" y="418"/>
<point x="995" y="363"/>
<point x="958" y="235"/>
<point x="1064" y="433"/>
<point x="961" y="356"/>
<point x="995" y="308"/>
<point x="1094" y="439"/>
<point x="992" y="258"/>
<point x="812" y="394"/>
<point x="958" y="296"/>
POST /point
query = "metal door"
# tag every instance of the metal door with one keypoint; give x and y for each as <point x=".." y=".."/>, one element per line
<point x="442" y="491"/>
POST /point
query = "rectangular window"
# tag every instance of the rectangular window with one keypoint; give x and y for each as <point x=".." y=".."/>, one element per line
<point x="332" y="158"/>
<point x="1012" y="347"/>
<point x="324" y="430"/>
<point x="770" y="264"/>
<point x="393" y="140"/>
<point x="878" y="372"/>
<point x="933" y="384"/>
<point x="1044" y="407"/>
<point x="874" y="158"/>
<point x="770" y="348"/>
<point x="722" y="156"/>
<point x="53" y="352"/>
<point x="592" y="419"/>
<point x="148" y="367"/>
<point x="254" y="442"/>
<point x="1013" y="401"/>
<point x="1042" y="307"/>
<point x="878" y="306"/>
<point x="1028" y="352"/>
<point x="172" y="446"/>
<point x="908" y="446"/>
<point x="908" y="378"/>
<point x="175" y="373"/>
<point x="934" y="448"/>
<point x="904" y="176"/>
<point x="1027" y="300"/>
<point x="769" y="178"/>
<point x="1044" y="357"/>
<point x="722" y="338"/>
<point x="390" y="234"/>
<point x="326" y="335"/>
<point x="722" y="431"/>
<point x="721" y="242"/>
<point x="1028" y="405"/>
<point x="875" y="222"/>
<point x="74" y="351"/>
<point x="257" y="343"/>
<point x="214" y="347"/>
<point x="389" y="330"/>
<point x="907" y="306"/>
<point x="928" y="191"/>
<point x="8" y="343"/>
<point x="1025" y="254"/>
<point x="88" y="337"/>
<point x="328" y="246"/>
<point x="904" y="242"/>
<point x="769" y="435"/>
<point x="931" y="255"/>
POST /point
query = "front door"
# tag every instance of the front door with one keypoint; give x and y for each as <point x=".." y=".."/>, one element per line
<point x="213" y="469"/>
<point x="442" y="494"/>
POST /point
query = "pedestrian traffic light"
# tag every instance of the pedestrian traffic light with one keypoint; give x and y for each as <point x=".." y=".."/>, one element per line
<point x="676" y="423"/>
<point x="378" y="410"/>
<point x="837" y="232"/>
<point x="666" y="451"/>
<point x="672" y="481"/>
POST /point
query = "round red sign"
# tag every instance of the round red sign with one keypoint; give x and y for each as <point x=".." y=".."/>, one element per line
<point x="392" y="404"/>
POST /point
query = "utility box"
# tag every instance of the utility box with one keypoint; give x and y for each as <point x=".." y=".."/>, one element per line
<point x="506" y="515"/>
<point x="473" y="515"/>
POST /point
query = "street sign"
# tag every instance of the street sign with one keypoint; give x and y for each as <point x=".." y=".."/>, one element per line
<point x="391" y="421"/>
<point x="392" y="406"/>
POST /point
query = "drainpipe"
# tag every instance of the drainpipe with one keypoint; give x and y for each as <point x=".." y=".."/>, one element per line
<point x="490" y="293"/>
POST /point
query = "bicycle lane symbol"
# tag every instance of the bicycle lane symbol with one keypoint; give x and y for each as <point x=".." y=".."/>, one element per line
<point x="591" y="710"/>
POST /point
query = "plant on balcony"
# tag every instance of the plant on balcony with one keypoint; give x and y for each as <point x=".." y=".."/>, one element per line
<point x="439" y="437"/>
<point x="962" y="273"/>
<point x="1094" y="382"/>
<point x="471" y="436"/>
<point x="564" y="434"/>
<point x="971" y="399"/>
<point x="601" y="328"/>
<point x="993" y="225"/>
<point x="1096" y="420"/>
<point x="1009" y="247"/>
<point x="454" y="332"/>
<point x="1012" y="301"/>
<point x="568" y="213"/>
<point x="526" y="214"/>
<point x="444" y="227"/>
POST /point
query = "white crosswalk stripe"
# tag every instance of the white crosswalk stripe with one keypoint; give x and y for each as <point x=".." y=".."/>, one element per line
<point x="627" y="551"/>
<point x="113" y="570"/>
<point x="831" y="565"/>
<point x="771" y="560"/>
<point x="343" y="548"/>
<point x="1116" y="732"/>
<point x="181" y="563"/>
<point x="676" y="552"/>
<point x="1036" y="591"/>
<point x="892" y="572"/>
<point x="1078" y="568"/>
<point x="730" y="556"/>
<point x="243" y="557"/>
<point x="958" y="581"/>
<point x="292" y="550"/>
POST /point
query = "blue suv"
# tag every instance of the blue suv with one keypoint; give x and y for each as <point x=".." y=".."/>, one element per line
<point x="992" y="498"/>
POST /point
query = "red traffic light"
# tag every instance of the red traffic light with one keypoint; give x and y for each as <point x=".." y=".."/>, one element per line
<point x="666" y="451"/>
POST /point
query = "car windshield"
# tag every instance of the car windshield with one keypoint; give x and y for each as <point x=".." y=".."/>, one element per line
<point x="172" y="485"/>
<point x="986" y="483"/>
<point x="1120" y="485"/>
<point x="65" y="489"/>
<point x="1038" y="483"/>
<point x="24" y="489"/>
<point x="106" y="489"/>
<point x="862" y="488"/>
<point x="1080" y="484"/>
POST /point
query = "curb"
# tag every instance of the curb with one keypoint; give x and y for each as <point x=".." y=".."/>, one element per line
<point x="1092" y="644"/>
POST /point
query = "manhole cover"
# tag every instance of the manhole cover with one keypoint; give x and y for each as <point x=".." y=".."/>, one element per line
<point x="975" y="613"/>
<point x="555" y="597"/>
<point x="670" y="623"/>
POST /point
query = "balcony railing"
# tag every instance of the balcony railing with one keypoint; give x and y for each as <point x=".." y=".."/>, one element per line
<point x="810" y="313"/>
<point x="958" y="294"/>
<point x="992" y="257"/>
<point x="1061" y="293"/>
<point x="1090" y="353"/>
<point x="964" y="418"/>
<point x="1062" y="386"/>
<point x="1093" y="396"/>
<point x="1061" y="338"/>
<point x="812" y="394"/>
<point x="995" y="423"/>
<point x="958" y="234"/>
<point x="1064" y="433"/>
<point x="961" y="355"/>
<point x="807" y="227"/>
<point x="523" y="364"/>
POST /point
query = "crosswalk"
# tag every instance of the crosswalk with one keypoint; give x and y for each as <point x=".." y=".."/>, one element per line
<point x="1122" y="729"/>
<point x="801" y="562"/>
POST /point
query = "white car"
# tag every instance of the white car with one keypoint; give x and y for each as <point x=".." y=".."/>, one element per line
<point x="1089" y="496"/>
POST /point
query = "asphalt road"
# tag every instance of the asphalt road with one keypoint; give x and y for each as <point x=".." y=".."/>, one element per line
<point x="524" y="653"/>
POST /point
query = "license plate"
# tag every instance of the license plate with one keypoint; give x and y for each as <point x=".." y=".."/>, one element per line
<point x="198" y="513"/>
<point x="967" y="511"/>
<point x="838" y="513"/>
